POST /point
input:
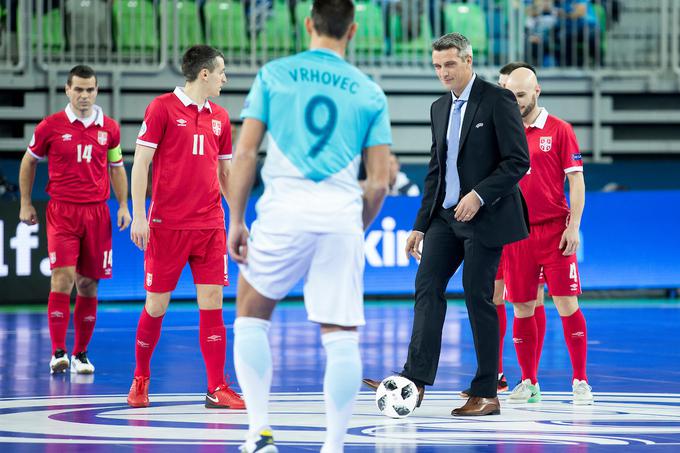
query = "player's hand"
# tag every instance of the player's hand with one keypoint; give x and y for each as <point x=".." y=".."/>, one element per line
<point x="139" y="232"/>
<point x="570" y="241"/>
<point x="238" y="242"/>
<point x="413" y="244"/>
<point x="124" y="218"/>
<point x="28" y="215"/>
<point x="467" y="207"/>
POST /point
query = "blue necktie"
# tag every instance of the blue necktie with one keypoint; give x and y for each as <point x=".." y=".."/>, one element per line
<point x="453" y="140"/>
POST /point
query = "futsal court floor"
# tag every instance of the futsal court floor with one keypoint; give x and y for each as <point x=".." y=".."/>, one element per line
<point x="634" y="368"/>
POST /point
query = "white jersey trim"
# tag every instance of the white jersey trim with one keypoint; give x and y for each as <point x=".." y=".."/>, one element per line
<point x="149" y="144"/>
<point x="224" y="156"/>
<point x="116" y="164"/>
<point x="573" y="169"/>
<point x="28" y="150"/>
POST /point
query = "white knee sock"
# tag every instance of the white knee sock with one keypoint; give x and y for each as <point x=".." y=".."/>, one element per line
<point x="340" y="385"/>
<point x="253" y="363"/>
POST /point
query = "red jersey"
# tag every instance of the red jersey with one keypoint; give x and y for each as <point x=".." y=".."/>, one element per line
<point x="553" y="152"/>
<point x="188" y="143"/>
<point x="77" y="155"/>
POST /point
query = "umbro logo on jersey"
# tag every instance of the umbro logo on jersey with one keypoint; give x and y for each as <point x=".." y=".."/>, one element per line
<point x="214" y="338"/>
<point x="66" y="137"/>
<point x="56" y="314"/>
<point x="142" y="344"/>
<point x="181" y="122"/>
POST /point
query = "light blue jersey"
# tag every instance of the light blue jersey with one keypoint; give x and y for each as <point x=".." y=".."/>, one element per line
<point x="320" y="113"/>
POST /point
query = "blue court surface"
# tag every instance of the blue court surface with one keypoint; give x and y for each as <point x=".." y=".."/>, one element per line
<point x="634" y="368"/>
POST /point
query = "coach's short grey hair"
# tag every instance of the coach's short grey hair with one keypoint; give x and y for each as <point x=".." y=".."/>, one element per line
<point x="454" y="41"/>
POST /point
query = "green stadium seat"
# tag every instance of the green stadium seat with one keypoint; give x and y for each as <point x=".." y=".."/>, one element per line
<point x="302" y="10"/>
<point x="278" y="30"/>
<point x="370" y="36"/>
<point x="184" y="25"/>
<point x="420" y="45"/>
<point x="51" y="32"/>
<point x="601" y="14"/>
<point x="225" y="25"/>
<point x="469" y="20"/>
<point x="134" y="25"/>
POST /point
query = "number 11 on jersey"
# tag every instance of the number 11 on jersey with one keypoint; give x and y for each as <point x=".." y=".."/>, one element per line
<point x="198" y="145"/>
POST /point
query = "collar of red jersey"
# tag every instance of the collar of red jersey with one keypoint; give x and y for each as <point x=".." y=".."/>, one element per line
<point x="98" y="119"/>
<point x="182" y="96"/>
<point x="541" y="119"/>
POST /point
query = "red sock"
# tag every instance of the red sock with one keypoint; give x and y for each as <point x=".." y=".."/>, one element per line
<point x="524" y="337"/>
<point x="502" y="326"/>
<point x="576" y="337"/>
<point x="148" y="333"/>
<point x="213" y="339"/>
<point x="58" y="312"/>
<point x="84" y="319"/>
<point x="539" y="314"/>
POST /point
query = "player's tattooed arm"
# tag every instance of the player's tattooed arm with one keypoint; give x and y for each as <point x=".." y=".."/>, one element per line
<point x="375" y="187"/>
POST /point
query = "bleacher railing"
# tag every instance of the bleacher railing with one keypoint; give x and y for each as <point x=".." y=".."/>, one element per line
<point x="12" y="48"/>
<point x="611" y="36"/>
<point x="675" y="37"/>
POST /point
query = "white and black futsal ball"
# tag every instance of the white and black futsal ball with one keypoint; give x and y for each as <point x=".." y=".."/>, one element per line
<point x="396" y="397"/>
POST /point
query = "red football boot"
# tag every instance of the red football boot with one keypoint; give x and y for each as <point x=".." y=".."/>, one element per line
<point x="139" y="392"/>
<point x="224" y="398"/>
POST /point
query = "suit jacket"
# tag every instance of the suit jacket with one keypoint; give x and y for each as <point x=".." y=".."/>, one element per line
<point x="492" y="158"/>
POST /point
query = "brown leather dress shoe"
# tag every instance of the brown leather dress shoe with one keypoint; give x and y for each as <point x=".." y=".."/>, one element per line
<point x="375" y="384"/>
<point x="477" y="406"/>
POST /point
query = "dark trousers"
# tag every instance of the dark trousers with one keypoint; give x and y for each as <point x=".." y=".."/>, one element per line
<point x="446" y="244"/>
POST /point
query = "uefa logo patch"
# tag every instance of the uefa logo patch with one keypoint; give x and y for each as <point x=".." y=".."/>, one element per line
<point x="545" y="144"/>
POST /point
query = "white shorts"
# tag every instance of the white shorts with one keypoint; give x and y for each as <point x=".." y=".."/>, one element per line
<point x="331" y="264"/>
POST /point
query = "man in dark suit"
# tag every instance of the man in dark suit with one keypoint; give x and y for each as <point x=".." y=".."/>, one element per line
<point x="471" y="207"/>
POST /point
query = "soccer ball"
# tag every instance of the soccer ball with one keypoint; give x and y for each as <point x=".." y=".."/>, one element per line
<point x="396" y="397"/>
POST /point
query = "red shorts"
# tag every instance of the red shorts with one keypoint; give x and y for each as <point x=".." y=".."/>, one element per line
<point x="169" y="251"/>
<point x="80" y="235"/>
<point x="524" y="260"/>
<point x="500" y="273"/>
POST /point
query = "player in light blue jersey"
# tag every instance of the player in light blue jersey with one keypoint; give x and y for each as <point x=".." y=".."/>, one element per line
<point x="320" y="114"/>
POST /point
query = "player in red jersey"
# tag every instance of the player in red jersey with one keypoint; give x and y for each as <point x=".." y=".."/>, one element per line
<point x="552" y="243"/>
<point x="188" y="139"/>
<point x="82" y="145"/>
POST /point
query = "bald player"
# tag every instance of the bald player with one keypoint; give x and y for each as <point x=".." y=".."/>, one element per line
<point x="552" y="242"/>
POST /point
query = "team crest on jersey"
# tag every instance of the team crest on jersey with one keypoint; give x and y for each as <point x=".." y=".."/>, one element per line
<point x="217" y="127"/>
<point x="545" y="144"/>
<point x="102" y="137"/>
